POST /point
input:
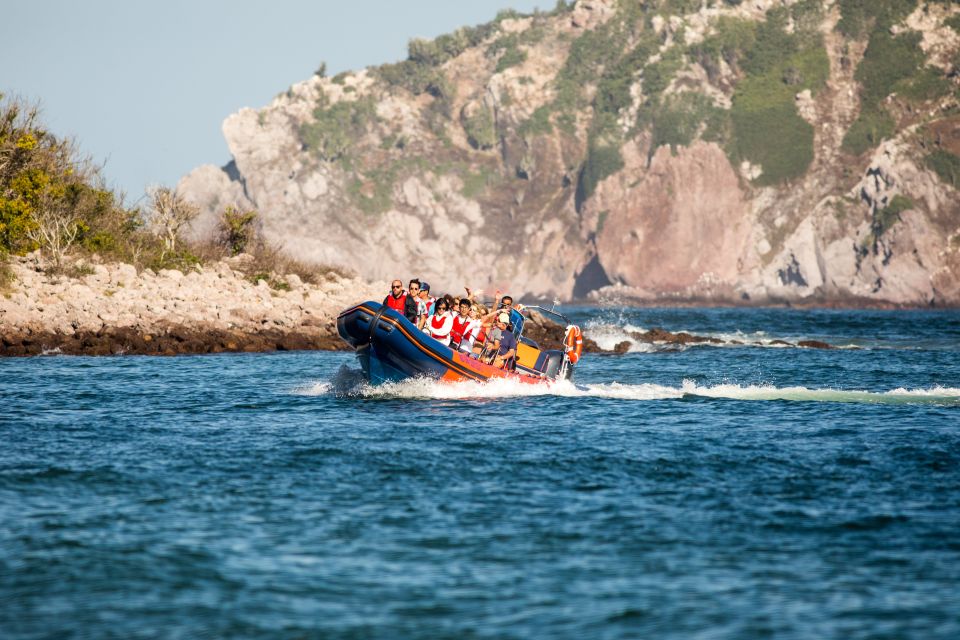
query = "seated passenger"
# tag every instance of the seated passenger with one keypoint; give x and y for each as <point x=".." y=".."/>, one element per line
<point x="479" y="332"/>
<point x="399" y="301"/>
<point x="441" y="322"/>
<point x="424" y="305"/>
<point x="463" y="324"/>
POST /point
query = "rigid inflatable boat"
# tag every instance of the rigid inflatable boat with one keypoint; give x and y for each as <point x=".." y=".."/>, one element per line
<point x="390" y="348"/>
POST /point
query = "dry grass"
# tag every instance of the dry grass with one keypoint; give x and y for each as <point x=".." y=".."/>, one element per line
<point x="7" y="276"/>
<point x="271" y="263"/>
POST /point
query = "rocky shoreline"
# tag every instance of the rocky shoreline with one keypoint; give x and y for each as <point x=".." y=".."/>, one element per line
<point x="112" y="309"/>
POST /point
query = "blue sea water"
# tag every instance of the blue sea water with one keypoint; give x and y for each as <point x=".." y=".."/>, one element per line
<point x="746" y="491"/>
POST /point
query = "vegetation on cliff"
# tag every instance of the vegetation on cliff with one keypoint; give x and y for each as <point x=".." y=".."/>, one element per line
<point x="536" y="141"/>
<point x="54" y="199"/>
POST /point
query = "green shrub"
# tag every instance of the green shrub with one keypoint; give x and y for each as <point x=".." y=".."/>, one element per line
<point x="887" y="61"/>
<point x="890" y="63"/>
<point x="927" y="84"/>
<point x="336" y="128"/>
<point x="946" y="165"/>
<point x="481" y="129"/>
<point x="7" y="275"/>
<point x="776" y="138"/>
<point x="772" y="45"/>
<point x="657" y="76"/>
<point x="858" y="17"/>
<point x="870" y="128"/>
<point x="734" y="37"/>
<point x="445" y="47"/>
<point x="678" y="121"/>
<point x="589" y="53"/>
<point x="511" y="58"/>
<point x="415" y="78"/>
<point x="537" y="124"/>
<point x="953" y="22"/>
<point x="237" y="229"/>
<point x="51" y="197"/>
<point x="613" y="88"/>
<point x="765" y="126"/>
<point x="807" y="16"/>
<point x="373" y="193"/>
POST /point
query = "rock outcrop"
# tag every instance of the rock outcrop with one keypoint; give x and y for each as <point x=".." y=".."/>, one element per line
<point x="115" y="309"/>
<point x="609" y="149"/>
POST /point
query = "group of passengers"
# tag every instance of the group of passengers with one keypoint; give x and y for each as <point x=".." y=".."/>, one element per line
<point x="461" y="323"/>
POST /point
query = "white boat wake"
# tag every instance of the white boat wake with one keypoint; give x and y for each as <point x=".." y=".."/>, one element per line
<point x="349" y="383"/>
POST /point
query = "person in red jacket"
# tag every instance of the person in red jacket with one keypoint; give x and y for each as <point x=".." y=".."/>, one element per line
<point x="461" y="325"/>
<point x="399" y="301"/>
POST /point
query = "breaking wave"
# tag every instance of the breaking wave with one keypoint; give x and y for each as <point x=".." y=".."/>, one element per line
<point x="608" y="336"/>
<point x="349" y="383"/>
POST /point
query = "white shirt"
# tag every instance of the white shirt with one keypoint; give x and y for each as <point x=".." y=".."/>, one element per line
<point x="470" y="334"/>
<point x="441" y="332"/>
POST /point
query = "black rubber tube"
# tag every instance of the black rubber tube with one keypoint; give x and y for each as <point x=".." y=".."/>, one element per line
<point x="375" y="322"/>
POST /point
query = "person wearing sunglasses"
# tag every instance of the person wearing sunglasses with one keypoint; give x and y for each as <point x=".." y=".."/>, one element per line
<point x="399" y="301"/>
<point x="441" y="322"/>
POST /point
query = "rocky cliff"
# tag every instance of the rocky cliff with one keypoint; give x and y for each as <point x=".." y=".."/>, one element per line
<point x="740" y="152"/>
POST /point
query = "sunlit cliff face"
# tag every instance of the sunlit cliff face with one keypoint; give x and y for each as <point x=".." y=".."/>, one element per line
<point x="743" y="153"/>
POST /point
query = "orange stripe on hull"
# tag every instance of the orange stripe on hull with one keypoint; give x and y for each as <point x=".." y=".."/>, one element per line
<point x="463" y="366"/>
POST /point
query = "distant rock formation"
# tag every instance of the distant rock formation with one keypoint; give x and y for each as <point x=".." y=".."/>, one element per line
<point x="747" y="153"/>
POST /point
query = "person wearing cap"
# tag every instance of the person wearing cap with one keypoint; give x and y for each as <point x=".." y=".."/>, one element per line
<point x="424" y="304"/>
<point x="506" y="346"/>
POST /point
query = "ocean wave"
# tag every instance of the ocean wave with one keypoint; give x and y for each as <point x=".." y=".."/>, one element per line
<point x="608" y="336"/>
<point x="349" y="383"/>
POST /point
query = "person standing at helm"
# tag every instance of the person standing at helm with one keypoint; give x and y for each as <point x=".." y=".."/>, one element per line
<point x="507" y="345"/>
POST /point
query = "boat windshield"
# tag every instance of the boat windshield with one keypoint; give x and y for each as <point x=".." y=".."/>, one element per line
<point x="556" y="316"/>
<point x="517" y="320"/>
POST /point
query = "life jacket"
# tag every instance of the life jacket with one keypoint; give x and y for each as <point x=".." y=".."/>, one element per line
<point x="397" y="304"/>
<point x="459" y="328"/>
<point x="474" y="327"/>
<point x="440" y="325"/>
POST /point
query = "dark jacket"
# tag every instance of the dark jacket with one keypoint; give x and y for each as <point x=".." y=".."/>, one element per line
<point x="409" y="308"/>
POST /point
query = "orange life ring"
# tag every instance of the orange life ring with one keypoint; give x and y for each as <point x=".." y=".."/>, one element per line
<point x="573" y="343"/>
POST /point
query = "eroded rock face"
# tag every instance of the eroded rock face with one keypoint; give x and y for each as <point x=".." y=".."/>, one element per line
<point x="681" y="228"/>
<point x="472" y="180"/>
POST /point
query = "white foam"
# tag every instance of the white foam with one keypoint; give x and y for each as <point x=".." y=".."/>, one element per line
<point x="350" y="384"/>
<point x="608" y="336"/>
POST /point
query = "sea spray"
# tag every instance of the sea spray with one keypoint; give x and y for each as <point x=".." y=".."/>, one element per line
<point x="349" y="382"/>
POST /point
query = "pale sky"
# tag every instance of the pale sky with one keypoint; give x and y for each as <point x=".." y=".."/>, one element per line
<point x="145" y="86"/>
